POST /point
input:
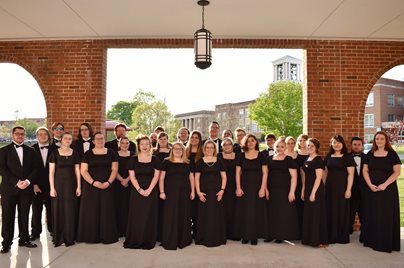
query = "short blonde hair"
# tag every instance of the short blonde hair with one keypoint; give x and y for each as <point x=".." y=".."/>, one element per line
<point x="184" y="154"/>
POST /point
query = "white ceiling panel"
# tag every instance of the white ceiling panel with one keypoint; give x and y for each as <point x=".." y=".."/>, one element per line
<point x="11" y="27"/>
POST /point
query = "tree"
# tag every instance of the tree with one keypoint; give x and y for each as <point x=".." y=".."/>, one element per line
<point x="149" y="115"/>
<point x="122" y="111"/>
<point x="280" y="109"/>
<point x="29" y="125"/>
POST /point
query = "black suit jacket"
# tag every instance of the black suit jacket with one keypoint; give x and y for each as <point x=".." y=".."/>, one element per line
<point x="359" y="181"/>
<point x="78" y="147"/>
<point x="114" y="145"/>
<point x="42" y="175"/>
<point x="12" y="171"/>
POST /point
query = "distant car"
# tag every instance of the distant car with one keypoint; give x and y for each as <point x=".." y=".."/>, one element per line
<point x="367" y="147"/>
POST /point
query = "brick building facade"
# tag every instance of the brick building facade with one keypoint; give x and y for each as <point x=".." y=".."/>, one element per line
<point x="339" y="75"/>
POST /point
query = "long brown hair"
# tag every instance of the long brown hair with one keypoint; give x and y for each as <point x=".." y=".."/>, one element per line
<point x="387" y="146"/>
<point x="184" y="155"/>
<point x="199" y="152"/>
<point x="245" y="141"/>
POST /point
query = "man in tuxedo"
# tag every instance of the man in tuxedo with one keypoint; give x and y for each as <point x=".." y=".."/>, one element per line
<point x="270" y="140"/>
<point x="41" y="196"/>
<point x="214" y="130"/>
<point x="120" y="131"/>
<point x="240" y="134"/>
<point x="84" y="141"/>
<point x="18" y="169"/>
<point x="359" y="184"/>
<point x="57" y="130"/>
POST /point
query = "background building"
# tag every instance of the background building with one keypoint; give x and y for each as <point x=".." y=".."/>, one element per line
<point x="287" y="68"/>
<point x="198" y="120"/>
<point x="384" y="106"/>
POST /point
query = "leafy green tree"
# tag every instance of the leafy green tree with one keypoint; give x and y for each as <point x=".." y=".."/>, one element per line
<point x="149" y="115"/>
<point x="122" y="111"/>
<point x="29" y="125"/>
<point x="280" y="109"/>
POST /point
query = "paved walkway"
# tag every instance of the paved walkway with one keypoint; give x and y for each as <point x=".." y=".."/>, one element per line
<point x="233" y="255"/>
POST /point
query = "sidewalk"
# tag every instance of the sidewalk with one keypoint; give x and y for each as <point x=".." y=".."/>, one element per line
<point x="234" y="254"/>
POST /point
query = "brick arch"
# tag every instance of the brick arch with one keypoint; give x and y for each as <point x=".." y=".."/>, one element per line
<point x="33" y="73"/>
<point x="372" y="81"/>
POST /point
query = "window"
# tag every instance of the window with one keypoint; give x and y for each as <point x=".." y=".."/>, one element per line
<point x="390" y="100"/>
<point x="279" y="72"/>
<point x="241" y="117"/>
<point x="254" y="126"/>
<point x="199" y="120"/>
<point x="369" y="120"/>
<point x="368" y="138"/>
<point x="390" y="118"/>
<point x="400" y="101"/>
<point x="293" y="72"/>
<point x="370" y="100"/>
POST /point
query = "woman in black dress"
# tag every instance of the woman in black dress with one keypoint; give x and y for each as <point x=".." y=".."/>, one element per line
<point x="144" y="171"/>
<point x="97" y="222"/>
<point x="121" y="186"/>
<point x="251" y="189"/>
<point x="163" y="148"/>
<point x="292" y="151"/>
<point x="314" y="230"/>
<point x="283" y="221"/>
<point x="339" y="172"/>
<point x="229" y="198"/>
<point x="194" y="153"/>
<point x="210" y="183"/>
<point x="65" y="187"/>
<point x="380" y="171"/>
<point x="177" y="189"/>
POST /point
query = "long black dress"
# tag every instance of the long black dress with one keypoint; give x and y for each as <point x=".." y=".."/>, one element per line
<point x="300" y="159"/>
<point x="283" y="223"/>
<point x="383" y="223"/>
<point x="229" y="197"/>
<point x="141" y="232"/>
<point x="122" y="195"/>
<point x="252" y="219"/>
<point x="176" y="218"/>
<point x="211" y="223"/>
<point x="97" y="222"/>
<point x="314" y="231"/>
<point x="160" y="156"/>
<point x="65" y="204"/>
<point x="194" y="203"/>
<point x="337" y="206"/>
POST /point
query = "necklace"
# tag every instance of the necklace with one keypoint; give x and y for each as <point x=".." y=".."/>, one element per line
<point x="210" y="165"/>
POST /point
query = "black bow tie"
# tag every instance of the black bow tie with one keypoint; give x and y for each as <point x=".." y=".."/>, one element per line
<point x="17" y="146"/>
<point x="270" y="149"/>
<point x="356" y="155"/>
<point x="43" y="147"/>
<point x="86" y="141"/>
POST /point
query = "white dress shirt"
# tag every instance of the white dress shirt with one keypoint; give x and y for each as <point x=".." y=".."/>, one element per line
<point x="358" y="164"/>
<point x="44" y="153"/>
<point x="20" y="152"/>
<point x="86" y="145"/>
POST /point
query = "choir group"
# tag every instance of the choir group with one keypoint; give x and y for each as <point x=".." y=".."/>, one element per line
<point x="208" y="191"/>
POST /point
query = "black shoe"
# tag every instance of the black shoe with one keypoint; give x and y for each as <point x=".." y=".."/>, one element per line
<point x="254" y="242"/>
<point x="5" y="249"/>
<point x="268" y="240"/>
<point x="243" y="241"/>
<point x="27" y="244"/>
<point x="278" y="241"/>
<point x="33" y="237"/>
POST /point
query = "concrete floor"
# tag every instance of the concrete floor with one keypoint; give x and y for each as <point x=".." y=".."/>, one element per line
<point x="234" y="254"/>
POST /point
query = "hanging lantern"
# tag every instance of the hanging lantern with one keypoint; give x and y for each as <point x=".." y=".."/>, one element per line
<point x="203" y="42"/>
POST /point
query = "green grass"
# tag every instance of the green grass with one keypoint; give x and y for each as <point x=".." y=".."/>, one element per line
<point x="399" y="150"/>
<point x="400" y="184"/>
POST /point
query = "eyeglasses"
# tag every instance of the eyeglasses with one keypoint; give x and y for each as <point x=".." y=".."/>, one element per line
<point x="84" y="129"/>
<point x="58" y="128"/>
<point x="19" y="133"/>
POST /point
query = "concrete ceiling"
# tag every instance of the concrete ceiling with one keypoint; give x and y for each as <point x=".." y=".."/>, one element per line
<point x="105" y="19"/>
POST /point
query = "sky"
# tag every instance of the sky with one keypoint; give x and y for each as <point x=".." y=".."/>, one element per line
<point x="235" y="75"/>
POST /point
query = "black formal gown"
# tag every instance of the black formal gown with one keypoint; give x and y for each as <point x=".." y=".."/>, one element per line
<point x="230" y="198"/>
<point x="122" y="195"/>
<point x="314" y="231"/>
<point x="194" y="203"/>
<point x="252" y="218"/>
<point x="160" y="156"/>
<point x="383" y="223"/>
<point x="211" y="223"/>
<point x="141" y="232"/>
<point x="176" y="218"/>
<point x="300" y="159"/>
<point x="337" y="205"/>
<point x="283" y="223"/>
<point x="65" y="204"/>
<point x="97" y="221"/>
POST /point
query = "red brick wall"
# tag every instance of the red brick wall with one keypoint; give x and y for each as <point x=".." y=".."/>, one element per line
<point x="339" y="75"/>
